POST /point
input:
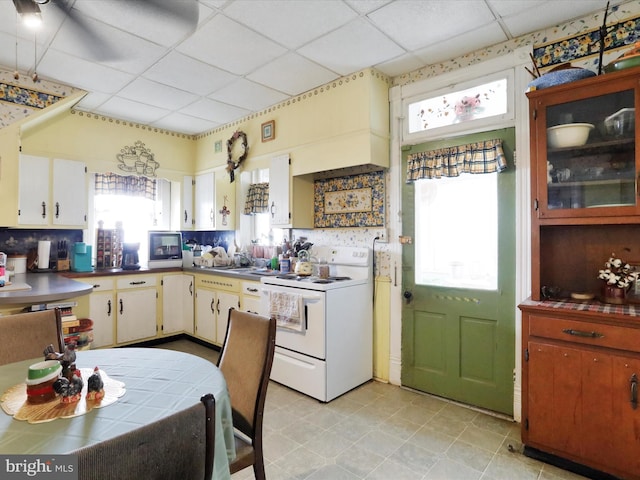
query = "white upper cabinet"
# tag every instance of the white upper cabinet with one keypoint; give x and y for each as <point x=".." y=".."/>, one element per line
<point x="279" y="210"/>
<point x="52" y="192"/>
<point x="205" y="218"/>
<point x="186" y="215"/>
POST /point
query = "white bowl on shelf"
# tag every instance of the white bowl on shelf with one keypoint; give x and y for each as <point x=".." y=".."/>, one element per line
<point x="569" y="135"/>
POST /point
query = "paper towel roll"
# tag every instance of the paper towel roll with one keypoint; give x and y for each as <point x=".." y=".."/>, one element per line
<point x="44" y="247"/>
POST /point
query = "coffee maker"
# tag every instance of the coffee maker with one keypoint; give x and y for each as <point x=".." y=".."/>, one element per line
<point x="130" y="260"/>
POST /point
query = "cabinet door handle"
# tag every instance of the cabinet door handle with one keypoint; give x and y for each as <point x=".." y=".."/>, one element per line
<point x="218" y="307"/>
<point x="121" y="306"/>
<point x="273" y="206"/>
<point x="191" y="289"/>
<point x="633" y="381"/>
<point x="580" y="333"/>
<point x="108" y="308"/>
<point x="185" y="216"/>
<point x="252" y="290"/>
<point x="44" y="210"/>
<point x="213" y="308"/>
<point x="141" y="282"/>
<point x="57" y="209"/>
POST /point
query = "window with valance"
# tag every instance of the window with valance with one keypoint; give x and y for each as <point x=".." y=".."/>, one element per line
<point x="479" y="157"/>
<point x="257" y="198"/>
<point x="133" y="186"/>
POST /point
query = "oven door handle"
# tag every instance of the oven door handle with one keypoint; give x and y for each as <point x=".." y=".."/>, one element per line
<point x="306" y="319"/>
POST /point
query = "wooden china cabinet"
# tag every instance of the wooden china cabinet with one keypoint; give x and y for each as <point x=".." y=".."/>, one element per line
<point x="581" y="358"/>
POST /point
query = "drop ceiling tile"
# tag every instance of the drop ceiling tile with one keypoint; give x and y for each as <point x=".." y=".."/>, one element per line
<point x="178" y="122"/>
<point x="149" y="92"/>
<point x="454" y="47"/>
<point x="416" y="24"/>
<point x="92" y="101"/>
<point x="214" y="111"/>
<point x="548" y="14"/>
<point x="291" y="24"/>
<point x="110" y="46"/>
<point x="179" y="71"/>
<point x="292" y="74"/>
<point x="352" y="47"/>
<point x="81" y="73"/>
<point x="366" y="6"/>
<point x="247" y="94"/>
<point x="400" y="65"/>
<point x="163" y="23"/>
<point x="226" y="44"/>
<point x="125" y="109"/>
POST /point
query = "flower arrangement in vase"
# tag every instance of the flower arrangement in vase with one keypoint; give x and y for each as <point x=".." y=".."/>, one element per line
<point x="619" y="277"/>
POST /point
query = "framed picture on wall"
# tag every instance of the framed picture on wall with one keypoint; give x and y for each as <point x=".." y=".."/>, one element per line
<point x="268" y="130"/>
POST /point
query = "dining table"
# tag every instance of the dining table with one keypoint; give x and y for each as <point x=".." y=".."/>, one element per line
<point x="157" y="383"/>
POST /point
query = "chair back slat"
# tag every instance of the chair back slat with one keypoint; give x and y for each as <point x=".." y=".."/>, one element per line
<point x="26" y="335"/>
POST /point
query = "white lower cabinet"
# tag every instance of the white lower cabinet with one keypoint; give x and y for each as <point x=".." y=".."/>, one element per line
<point x="177" y="304"/>
<point x="214" y="297"/>
<point x="102" y="311"/>
<point x="251" y="297"/>
<point x="136" y="308"/>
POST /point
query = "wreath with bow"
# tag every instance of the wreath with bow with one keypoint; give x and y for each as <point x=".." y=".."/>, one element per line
<point x="231" y="164"/>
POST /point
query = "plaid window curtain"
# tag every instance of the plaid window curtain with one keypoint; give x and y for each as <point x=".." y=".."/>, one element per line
<point x="257" y="199"/>
<point x="480" y="157"/>
<point x="133" y="186"/>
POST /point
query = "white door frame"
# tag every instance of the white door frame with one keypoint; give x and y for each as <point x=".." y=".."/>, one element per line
<point x="515" y="60"/>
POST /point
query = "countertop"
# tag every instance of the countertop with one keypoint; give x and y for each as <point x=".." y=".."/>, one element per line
<point x="53" y="287"/>
<point x="45" y="287"/>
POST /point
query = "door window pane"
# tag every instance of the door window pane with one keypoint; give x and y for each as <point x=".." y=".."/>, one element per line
<point x="456" y="221"/>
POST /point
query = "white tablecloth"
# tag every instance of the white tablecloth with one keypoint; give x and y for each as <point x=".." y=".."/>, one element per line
<point x="158" y="383"/>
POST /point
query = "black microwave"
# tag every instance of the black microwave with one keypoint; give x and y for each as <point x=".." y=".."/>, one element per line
<point x="165" y="249"/>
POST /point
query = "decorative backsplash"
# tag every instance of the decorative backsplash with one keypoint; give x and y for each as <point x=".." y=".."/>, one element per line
<point x="350" y="201"/>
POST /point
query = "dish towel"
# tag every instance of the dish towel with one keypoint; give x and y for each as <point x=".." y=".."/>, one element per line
<point x="287" y="308"/>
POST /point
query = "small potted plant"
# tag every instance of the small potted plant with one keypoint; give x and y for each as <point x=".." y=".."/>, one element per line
<point x="619" y="277"/>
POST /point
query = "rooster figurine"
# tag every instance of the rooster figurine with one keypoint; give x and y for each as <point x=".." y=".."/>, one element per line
<point x="95" y="386"/>
<point x="69" y="390"/>
<point x="51" y="354"/>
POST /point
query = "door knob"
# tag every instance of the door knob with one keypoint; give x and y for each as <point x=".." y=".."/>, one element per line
<point x="407" y="296"/>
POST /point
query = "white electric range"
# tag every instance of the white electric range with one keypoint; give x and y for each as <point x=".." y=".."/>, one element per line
<point x="331" y="350"/>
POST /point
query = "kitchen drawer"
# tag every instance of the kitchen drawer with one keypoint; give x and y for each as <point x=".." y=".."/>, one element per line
<point x="611" y="336"/>
<point x="251" y="288"/>
<point x="101" y="284"/>
<point x="218" y="283"/>
<point x="138" y="281"/>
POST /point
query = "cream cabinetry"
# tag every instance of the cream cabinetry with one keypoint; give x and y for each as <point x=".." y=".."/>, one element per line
<point x="214" y="203"/>
<point x="251" y="297"/>
<point x="177" y="303"/>
<point x="290" y="198"/>
<point x="136" y="308"/>
<point x="52" y="192"/>
<point x="215" y="295"/>
<point x="102" y="311"/>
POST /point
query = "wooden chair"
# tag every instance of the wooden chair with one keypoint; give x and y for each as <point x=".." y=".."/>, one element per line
<point x="245" y="362"/>
<point x="177" y="447"/>
<point x="26" y="335"/>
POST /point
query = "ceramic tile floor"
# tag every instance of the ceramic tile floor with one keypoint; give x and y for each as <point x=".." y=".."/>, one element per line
<point x="384" y="432"/>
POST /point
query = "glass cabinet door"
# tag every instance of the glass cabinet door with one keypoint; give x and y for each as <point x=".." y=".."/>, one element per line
<point x="590" y="156"/>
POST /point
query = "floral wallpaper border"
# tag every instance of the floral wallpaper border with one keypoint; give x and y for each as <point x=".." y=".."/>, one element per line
<point x="585" y="45"/>
<point x="26" y="97"/>
<point x="350" y="194"/>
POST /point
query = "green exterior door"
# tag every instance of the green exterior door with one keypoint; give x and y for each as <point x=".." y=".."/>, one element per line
<point x="459" y="343"/>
